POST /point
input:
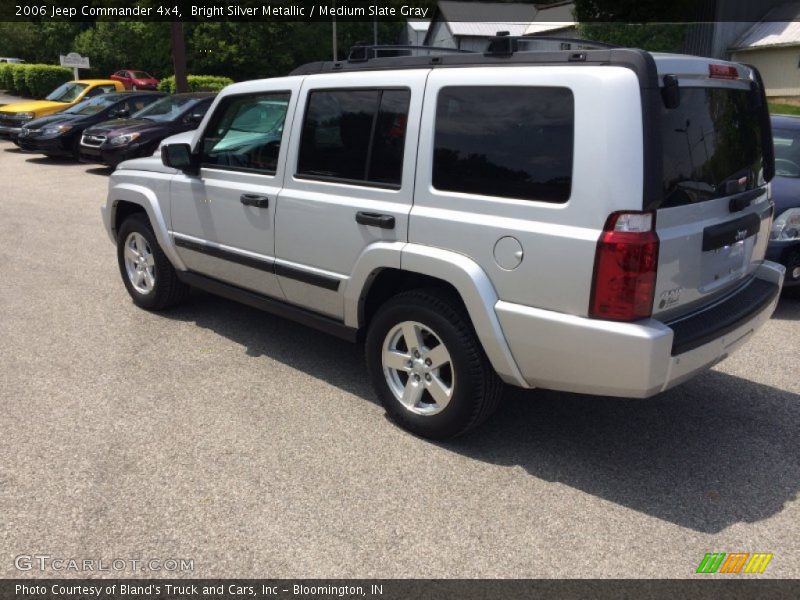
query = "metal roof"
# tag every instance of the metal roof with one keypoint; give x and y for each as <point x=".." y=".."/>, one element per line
<point x="780" y="27"/>
<point x="484" y="19"/>
<point x="553" y="17"/>
<point x="418" y="25"/>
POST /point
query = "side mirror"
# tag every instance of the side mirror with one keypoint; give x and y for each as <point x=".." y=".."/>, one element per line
<point x="122" y="113"/>
<point x="179" y="156"/>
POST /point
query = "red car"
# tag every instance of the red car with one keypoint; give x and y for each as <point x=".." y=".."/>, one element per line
<point x="135" y="80"/>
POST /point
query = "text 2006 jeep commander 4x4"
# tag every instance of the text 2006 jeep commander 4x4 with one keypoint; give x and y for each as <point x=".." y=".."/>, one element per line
<point x="591" y="221"/>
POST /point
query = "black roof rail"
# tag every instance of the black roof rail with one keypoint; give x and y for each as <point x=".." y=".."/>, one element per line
<point x="503" y="44"/>
<point x="362" y="51"/>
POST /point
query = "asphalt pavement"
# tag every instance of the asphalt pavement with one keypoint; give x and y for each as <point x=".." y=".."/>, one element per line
<point x="254" y="446"/>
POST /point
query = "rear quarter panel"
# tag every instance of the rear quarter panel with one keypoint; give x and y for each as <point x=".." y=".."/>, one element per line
<point x="558" y="240"/>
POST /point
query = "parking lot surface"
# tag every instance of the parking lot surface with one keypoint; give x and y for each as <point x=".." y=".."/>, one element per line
<point x="255" y="447"/>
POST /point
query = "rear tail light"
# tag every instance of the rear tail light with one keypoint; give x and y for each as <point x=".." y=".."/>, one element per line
<point x="723" y="72"/>
<point x="625" y="268"/>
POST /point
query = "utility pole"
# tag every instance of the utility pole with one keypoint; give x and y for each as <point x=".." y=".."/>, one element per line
<point x="335" y="52"/>
<point x="179" y="57"/>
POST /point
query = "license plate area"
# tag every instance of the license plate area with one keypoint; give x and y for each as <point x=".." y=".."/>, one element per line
<point x="728" y="250"/>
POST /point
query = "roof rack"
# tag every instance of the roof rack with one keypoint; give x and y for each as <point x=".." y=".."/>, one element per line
<point x="362" y="51"/>
<point x="503" y="44"/>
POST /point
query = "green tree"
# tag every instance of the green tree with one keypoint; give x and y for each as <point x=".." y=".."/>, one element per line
<point x="111" y="46"/>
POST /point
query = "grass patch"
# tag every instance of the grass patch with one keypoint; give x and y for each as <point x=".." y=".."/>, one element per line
<point x="783" y="109"/>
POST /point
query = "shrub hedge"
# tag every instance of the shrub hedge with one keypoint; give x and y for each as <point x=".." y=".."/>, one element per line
<point x="197" y="83"/>
<point x="32" y="80"/>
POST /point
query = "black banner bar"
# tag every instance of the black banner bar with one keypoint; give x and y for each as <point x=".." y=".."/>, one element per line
<point x="198" y="11"/>
<point x="704" y="587"/>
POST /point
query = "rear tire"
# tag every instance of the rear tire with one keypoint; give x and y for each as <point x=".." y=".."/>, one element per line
<point x="428" y="367"/>
<point x="148" y="275"/>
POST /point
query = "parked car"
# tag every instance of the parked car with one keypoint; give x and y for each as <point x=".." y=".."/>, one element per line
<point x="6" y="59"/>
<point x="112" y="142"/>
<point x="518" y="217"/>
<point x="784" y="243"/>
<point x="135" y="80"/>
<point x="60" y="134"/>
<point x="14" y="116"/>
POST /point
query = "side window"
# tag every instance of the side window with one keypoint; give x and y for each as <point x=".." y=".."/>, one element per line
<point x="355" y="135"/>
<point x="245" y="133"/>
<point x="508" y="141"/>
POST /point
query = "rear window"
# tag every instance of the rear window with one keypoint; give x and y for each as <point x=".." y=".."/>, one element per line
<point x="506" y="141"/>
<point x="711" y="145"/>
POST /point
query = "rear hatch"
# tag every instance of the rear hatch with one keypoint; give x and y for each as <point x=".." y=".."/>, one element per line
<point x="713" y="215"/>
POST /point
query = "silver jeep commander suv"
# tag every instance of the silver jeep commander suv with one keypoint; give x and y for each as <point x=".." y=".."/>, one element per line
<point x="591" y="221"/>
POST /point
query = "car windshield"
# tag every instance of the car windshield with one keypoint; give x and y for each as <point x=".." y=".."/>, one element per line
<point x="166" y="109"/>
<point x="67" y="92"/>
<point x="92" y="106"/>
<point x="787" y="151"/>
<point x="140" y="75"/>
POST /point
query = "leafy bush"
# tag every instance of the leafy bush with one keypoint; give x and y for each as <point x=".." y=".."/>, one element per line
<point x="197" y="83"/>
<point x="18" y="79"/>
<point x="43" y="79"/>
<point x="32" y="80"/>
<point x="6" y="80"/>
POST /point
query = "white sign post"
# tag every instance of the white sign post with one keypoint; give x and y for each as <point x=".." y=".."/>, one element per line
<point x="76" y="61"/>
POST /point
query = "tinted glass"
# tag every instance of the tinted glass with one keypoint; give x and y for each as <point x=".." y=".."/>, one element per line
<point x="355" y="135"/>
<point x="787" y="152"/>
<point x="166" y="109"/>
<point x="245" y="132"/>
<point x="711" y="145"/>
<point x="92" y="106"/>
<point x="139" y="75"/>
<point x="508" y="141"/>
<point x="66" y="92"/>
<point x="386" y="162"/>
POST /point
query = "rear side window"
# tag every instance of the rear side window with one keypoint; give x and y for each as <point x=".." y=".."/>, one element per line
<point x="356" y="136"/>
<point x="507" y="141"/>
<point x="711" y="145"/>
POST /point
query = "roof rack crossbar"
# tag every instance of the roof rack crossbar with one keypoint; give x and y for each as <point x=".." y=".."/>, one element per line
<point x="503" y="44"/>
<point x="361" y="52"/>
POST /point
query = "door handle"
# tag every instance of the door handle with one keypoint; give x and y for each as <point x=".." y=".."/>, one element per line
<point x="376" y="219"/>
<point x="254" y="200"/>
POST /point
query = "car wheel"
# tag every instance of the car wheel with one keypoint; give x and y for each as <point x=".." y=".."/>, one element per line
<point x="428" y="367"/>
<point x="792" y="276"/>
<point x="146" y="271"/>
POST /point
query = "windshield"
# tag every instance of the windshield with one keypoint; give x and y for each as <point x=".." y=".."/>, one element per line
<point x="92" y="106"/>
<point x="140" y="75"/>
<point x="67" y="92"/>
<point x="711" y="145"/>
<point x="787" y="152"/>
<point x="166" y="109"/>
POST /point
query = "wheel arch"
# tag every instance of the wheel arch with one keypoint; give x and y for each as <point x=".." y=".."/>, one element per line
<point x="130" y="199"/>
<point x="415" y="266"/>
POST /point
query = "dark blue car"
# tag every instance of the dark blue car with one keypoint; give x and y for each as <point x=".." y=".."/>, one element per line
<point x="784" y="241"/>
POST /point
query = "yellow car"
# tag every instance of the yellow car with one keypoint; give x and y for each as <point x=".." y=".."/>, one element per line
<point x="14" y="116"/>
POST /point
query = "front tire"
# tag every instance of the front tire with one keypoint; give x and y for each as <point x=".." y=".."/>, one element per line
<point x="428" y="367"/>
<point x="146" y="271"/>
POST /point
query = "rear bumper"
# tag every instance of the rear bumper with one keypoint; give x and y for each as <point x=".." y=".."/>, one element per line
<point x="634" y="360"/>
